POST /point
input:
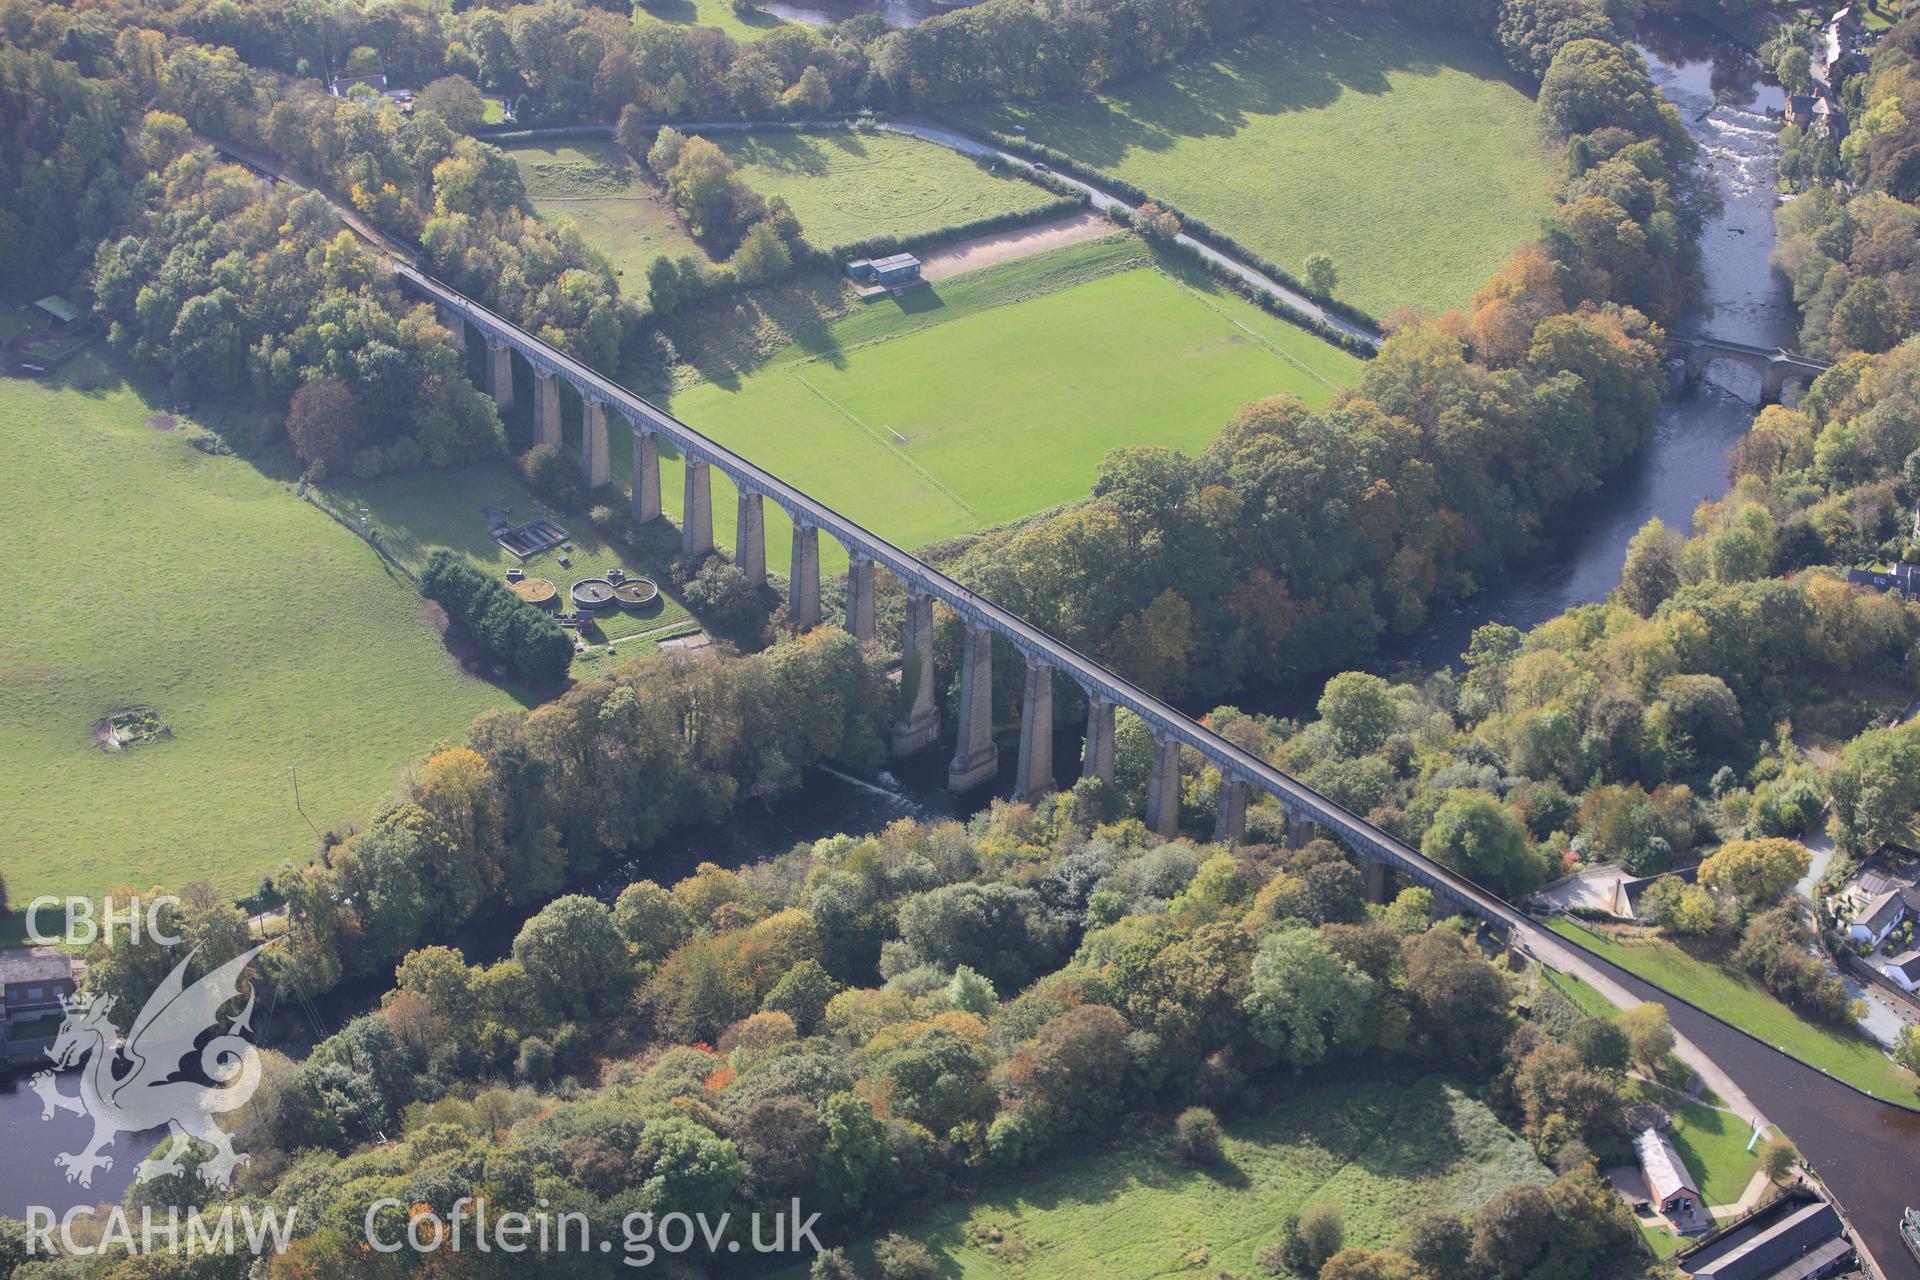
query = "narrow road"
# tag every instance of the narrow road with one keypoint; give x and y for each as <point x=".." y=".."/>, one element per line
<point x="1098" y="197"/>
<point x="1885" y="1015"/>
<point x="1104" y="200"/>
<point x="1549" y="949"/>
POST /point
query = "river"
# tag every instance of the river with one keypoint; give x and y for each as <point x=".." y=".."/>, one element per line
<point x="827" y="803"/>
<point x="1717" y="91"/>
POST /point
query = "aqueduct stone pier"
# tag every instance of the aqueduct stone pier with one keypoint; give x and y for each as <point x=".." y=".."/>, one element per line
<point x="975" y="759"/>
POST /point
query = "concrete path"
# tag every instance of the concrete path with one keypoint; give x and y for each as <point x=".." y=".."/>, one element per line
<point x="1756" y="1187"/>
<point x="1595" y="888"/>
<point x="1548" y="949"/>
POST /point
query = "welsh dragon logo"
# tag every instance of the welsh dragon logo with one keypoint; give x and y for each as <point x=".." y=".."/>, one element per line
<point x="154" y="1076"/>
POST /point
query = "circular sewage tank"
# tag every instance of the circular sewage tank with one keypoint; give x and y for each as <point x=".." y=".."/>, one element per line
<point x="592" y="593"/>
<point x="535" y="591"/>
<point x="636" y="593"/>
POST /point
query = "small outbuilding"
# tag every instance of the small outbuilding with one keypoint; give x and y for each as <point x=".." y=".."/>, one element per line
<point x="1670" y="1187"/>
<point x="61" y="311"/>
<point x="892" y="271"/>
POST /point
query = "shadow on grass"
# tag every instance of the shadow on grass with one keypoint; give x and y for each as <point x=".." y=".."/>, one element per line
<point x="1387" y="1125"/>
<point x="723" y="338"/>
<point x="919" y="301"/>
<point x="794" y="154"/>
<point x="685" y="13"/>
<point x="1303" y="63"/>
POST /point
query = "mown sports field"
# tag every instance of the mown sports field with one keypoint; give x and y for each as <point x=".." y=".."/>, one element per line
<point x="145" y="572"/>
<point x="743" y="26"/>
<point x="1410" y="157"/>
<point x="995" y="394"/>
<point x="1384" y="1146"/>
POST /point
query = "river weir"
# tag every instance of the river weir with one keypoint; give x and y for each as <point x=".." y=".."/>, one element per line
<point x="1717" y="89"/>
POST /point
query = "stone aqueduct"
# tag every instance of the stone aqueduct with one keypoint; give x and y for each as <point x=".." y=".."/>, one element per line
<point x="975" y="759"/>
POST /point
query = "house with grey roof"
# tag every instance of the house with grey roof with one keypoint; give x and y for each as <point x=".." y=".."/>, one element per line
<point x="1904" y="969"/>
<point x="35" y="983"/>
<point x="1882" y="892"/>
<point x="1882" y="914"/>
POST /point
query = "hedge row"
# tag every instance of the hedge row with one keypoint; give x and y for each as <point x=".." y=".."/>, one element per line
<point x="1267" y="301"/>
<point x="1193" y="226"/>
<point x="507" y="626"/>
<point x="879" y="246"/>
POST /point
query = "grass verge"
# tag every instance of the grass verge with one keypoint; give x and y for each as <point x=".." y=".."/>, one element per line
<point x="848" y="185"/>
<point x="617" y="210"/>
<point x="1734" y="997"/>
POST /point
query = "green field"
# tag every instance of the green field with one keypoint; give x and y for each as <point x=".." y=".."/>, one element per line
<point x="708" y="13"/>
<point x="1581" y="992"/>
<point x="418" y="511"/>
<point x="606" y="195"/>
<point x="1408" y="156"/>
<point x="849" y="185"/>
<point x="996" y="393"/>
<point x="1714" y="1145"/>
<point x="143" y="571"/>
<point x="1383" y="1148"/>
<point x="1734" y="997"/>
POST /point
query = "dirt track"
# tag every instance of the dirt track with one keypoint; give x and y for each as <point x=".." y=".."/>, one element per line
<point x="1003" y="246"/>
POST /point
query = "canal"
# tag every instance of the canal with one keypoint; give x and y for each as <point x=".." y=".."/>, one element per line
<point x="1862" y="1148"/>
<point x="1858" y="1145"/>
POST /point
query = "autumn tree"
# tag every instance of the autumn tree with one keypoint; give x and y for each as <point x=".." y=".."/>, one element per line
<point x="574" y="955"/>
<point x="454" y="99"/>
<point x="1649" y="1032"/>
<point x="1481" y="838"/>
<point x="1304" y="1001"/>
<point x="1756" y="872"/>
<point x="323" y="422"/>
<point x="1651" y="573"/>
<point x="1778" y="1157"/>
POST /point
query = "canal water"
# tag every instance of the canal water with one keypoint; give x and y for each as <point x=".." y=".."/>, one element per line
<point x="1717" y="90"/>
